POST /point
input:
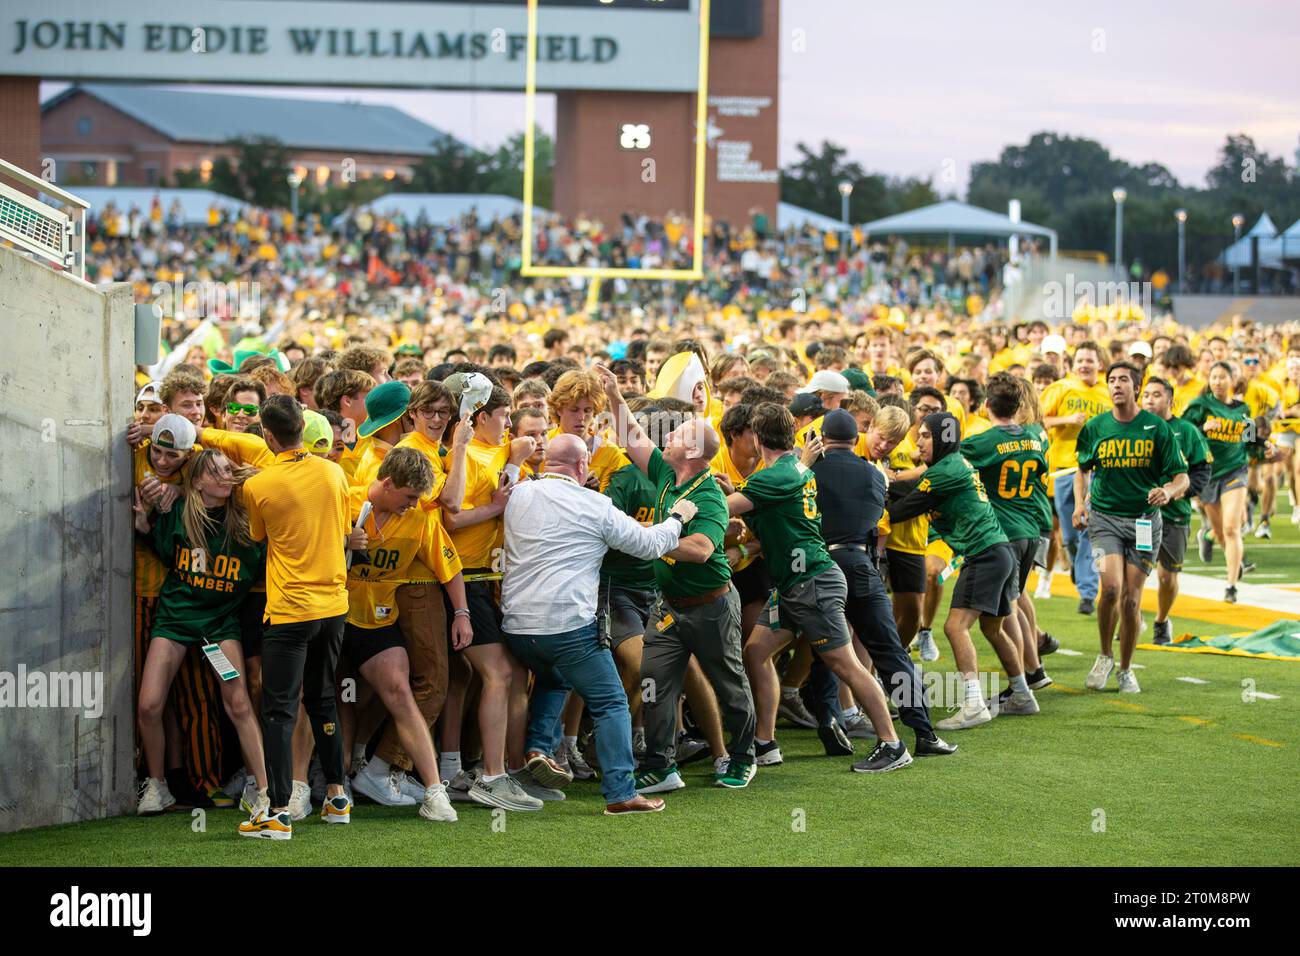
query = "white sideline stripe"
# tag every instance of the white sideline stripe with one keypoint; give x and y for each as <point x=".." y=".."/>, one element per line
<point x="1069" y="653"/>
<point x="1263" y="696"/>
<point x="1193" y="680"/>
<point x="1251" y="595"/>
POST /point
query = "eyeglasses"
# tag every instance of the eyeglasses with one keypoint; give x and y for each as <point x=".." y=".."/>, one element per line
<point x="234" y="408"/>
<point x="434" y="412"/>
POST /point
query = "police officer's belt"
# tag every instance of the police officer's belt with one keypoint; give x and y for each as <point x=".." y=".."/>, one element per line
<point x="849" y="547"/>
<point x="697" y="600"/>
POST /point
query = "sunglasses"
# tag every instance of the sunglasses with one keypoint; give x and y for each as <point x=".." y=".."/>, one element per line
<point x="234" y="408"/>
<point x="1251" y="361"/>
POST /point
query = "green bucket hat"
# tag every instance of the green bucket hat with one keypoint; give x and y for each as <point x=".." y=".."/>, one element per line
<point x="218" y="367"/>
<point x="385" y="404"/>
<point x="859" y="379"/>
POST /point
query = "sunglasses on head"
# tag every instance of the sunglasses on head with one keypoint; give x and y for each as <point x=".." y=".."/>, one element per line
<point x="234" y="408"/>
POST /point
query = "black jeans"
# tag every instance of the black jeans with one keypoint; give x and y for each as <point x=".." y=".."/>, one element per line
<point x="300" y="659"/>
<point x="871" y="614"/>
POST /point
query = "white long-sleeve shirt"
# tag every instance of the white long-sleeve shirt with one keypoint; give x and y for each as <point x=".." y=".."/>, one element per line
<point x="556" y="536"/>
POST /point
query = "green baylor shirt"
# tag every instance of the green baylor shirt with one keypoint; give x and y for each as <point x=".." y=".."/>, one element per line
<point x="199" y="601"/>
<point x="786" y="520"/>
<point x="679" y="579"/>
<point x="1012" y="466"/>
<point x="1231" y="430"/>
<point x="1128" y="460"/>
<point x="634" y="495"/>
<point x="1192" y="444"/>
<point x="965" y="519"/>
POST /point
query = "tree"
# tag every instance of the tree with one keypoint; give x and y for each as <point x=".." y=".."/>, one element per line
<point x="453" y="167"/>
<point x="257" y="173"/>
<point x="504" y="169"/>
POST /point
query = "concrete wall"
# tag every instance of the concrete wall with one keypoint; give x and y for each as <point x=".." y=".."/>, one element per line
<point x="66" y="600"/>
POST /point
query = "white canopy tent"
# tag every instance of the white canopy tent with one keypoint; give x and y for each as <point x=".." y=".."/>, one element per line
<point x="790" y="216"/>
<point x="444" y="208"/>
<point x="1274" y="247"/>
<point x="954" y="218"/>
<point x="194" y="203"/>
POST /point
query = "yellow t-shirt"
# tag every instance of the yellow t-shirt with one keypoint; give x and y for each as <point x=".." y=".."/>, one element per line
<point x="976" y="424"/>
<point x="605" y="460"/>
<point x="352" y="457"/>
<point x="408" y="542"/>
<point x="1290" y="397"/>
<point x="723" y="465"/>
<point x="432" y="451"/>
<point x="239" y="448"/>
<point x="150" y="572"/>
<point x="478" y="543"/>
<point x="908" y="537"/>
<point x="1184" y="394"/>
<point x="1261" y="398"/>
<point x="1069" y="396"/>
<point x="299" y="506"/>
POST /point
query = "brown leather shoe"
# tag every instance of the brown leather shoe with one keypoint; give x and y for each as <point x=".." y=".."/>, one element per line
<point x="637" y="804"/>
<point x="546" y="771"/>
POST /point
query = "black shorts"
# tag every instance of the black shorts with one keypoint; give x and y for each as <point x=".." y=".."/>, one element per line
<point x="753" y="583"/>
<point x="987" y="582"/>
<point x="362" y="643"/>
<point x="1024" y="550"/>
<point x="484" y="611"/>
<point x="251" y="614"/>
<point x="629" y="611"/>
<point x="906" y="572"/>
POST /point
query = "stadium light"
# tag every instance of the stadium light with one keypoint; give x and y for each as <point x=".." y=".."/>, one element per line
<point x="1237" y="222"/>
<point x="1119" y="194"/>
<point x="1181" y="216"/>
<point x="294" y="182"/>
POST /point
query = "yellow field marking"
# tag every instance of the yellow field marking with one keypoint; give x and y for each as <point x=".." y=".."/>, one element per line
<point x="1128" y="705"/>
<point x="1258" y="740"/>
<point x="1199" y="721"/>
<point x="1062" y="687"/>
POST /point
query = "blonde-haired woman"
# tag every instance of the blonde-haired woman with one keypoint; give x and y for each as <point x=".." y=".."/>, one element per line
<point x="212" y="564"/>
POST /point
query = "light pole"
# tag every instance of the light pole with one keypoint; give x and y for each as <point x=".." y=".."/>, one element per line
<point x="294" y="182"/>
<point x="1119" y="194"/>
<point x="1237" y="222"/>
<point x="846" y="190"/>
<point x="1181" y="216"/>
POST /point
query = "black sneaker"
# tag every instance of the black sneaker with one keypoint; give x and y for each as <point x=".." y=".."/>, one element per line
<point x="1163" y="633"/>
<point x="934" y="746"/>
<point x="1087" y="606"/>
<point x="1247" y="565"/>
<point x="1231" y="596"/>
<point x="691" y="749"/>
<point x="884" y="758"/>
<point x="1204" y="545"/>
<point x="768" y="754"/>
<point x="1048" y="645"/>
<point x="835" y="740"/>
<point x="1038" y="679"/>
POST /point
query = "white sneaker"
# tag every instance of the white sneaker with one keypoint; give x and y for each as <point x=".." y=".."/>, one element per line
<point x="534" y="789"/>
<point x="720" y="764"/>
<point x="1263" y="531"/>
<point x="1128" y="682"/>
<point x="970" y="715"/>
<point x="154" y="797"/>
<point x="1100" y="673"/>
<point x="248" y="798"/>
<point x="411" y="787"/>
<point x="1044" y="589"/>
<point x="859" y="727"/>
<point x="386" y="790"/>
<point x="926" y="645"/>
<point x="577" y="763"/>
<point x="300" y="801"/>
<point x="436" y="806"/>
<point x="237" y="783"/>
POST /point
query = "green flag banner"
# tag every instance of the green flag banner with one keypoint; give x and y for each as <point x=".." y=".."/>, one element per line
<point x="1277" y="642"/>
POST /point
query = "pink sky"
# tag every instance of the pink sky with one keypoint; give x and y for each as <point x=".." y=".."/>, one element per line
<point x="906" y="86"/>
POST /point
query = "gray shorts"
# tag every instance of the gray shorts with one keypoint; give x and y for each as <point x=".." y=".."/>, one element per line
<point x="1024" y="550"/>
<point x="814" y="609"/>
<point x="988" y="581"/>
<point x="1040" y="553"/>
<point x="1111" y="534"/>
<point x="629" y="611"/>
<point x="1173" y="546"/>
<point x="1212" y="492"/>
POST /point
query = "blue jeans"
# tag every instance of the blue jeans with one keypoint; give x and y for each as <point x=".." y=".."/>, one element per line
<point x="575" y="660"/>
<point x="1076" y="542"/>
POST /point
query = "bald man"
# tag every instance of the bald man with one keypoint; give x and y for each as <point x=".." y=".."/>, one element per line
<point x="556" y="536"/>
<point x="698" y="612"/>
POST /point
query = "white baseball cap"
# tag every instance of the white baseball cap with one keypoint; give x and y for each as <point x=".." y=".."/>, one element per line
<point x="174" y="432"/>
<point x="1140" y="348"/>
<point x="1052" y="343"/>
<point x="827" y="381"/>
<point x="150" y="393"/>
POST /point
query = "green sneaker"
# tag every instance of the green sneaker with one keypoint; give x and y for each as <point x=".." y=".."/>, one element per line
<point x="736" y="776"/>
<point x="663" y="780"/>
<point x="219" y="798"/>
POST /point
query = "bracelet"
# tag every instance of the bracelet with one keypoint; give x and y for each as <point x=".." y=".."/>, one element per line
<point x="462" y="612"/>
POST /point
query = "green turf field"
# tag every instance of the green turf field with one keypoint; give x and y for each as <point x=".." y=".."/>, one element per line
<point x="1183" y="774"/>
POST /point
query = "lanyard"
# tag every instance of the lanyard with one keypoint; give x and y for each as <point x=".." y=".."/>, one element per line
<point x="659" y="508"/>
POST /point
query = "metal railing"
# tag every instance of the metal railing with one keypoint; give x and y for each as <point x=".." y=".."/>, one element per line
<point x="58" y="235"/>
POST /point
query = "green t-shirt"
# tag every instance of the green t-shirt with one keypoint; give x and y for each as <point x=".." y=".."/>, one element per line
<point x="632" y="494"/>
<point x="1191" y="442"/>
<point x="199" y="600"/>
<point x="1231" y="429"/>
<point x="683" y="578"/>
<point x="1127" y="460"/>
<point x="785" y="518"/>
<point x="965" y="519"/>
<point x="1012" y="466"/>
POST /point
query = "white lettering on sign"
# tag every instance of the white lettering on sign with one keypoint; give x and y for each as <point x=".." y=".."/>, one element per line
<point x="736" y="166"/>
<point x="740" y="105"/>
